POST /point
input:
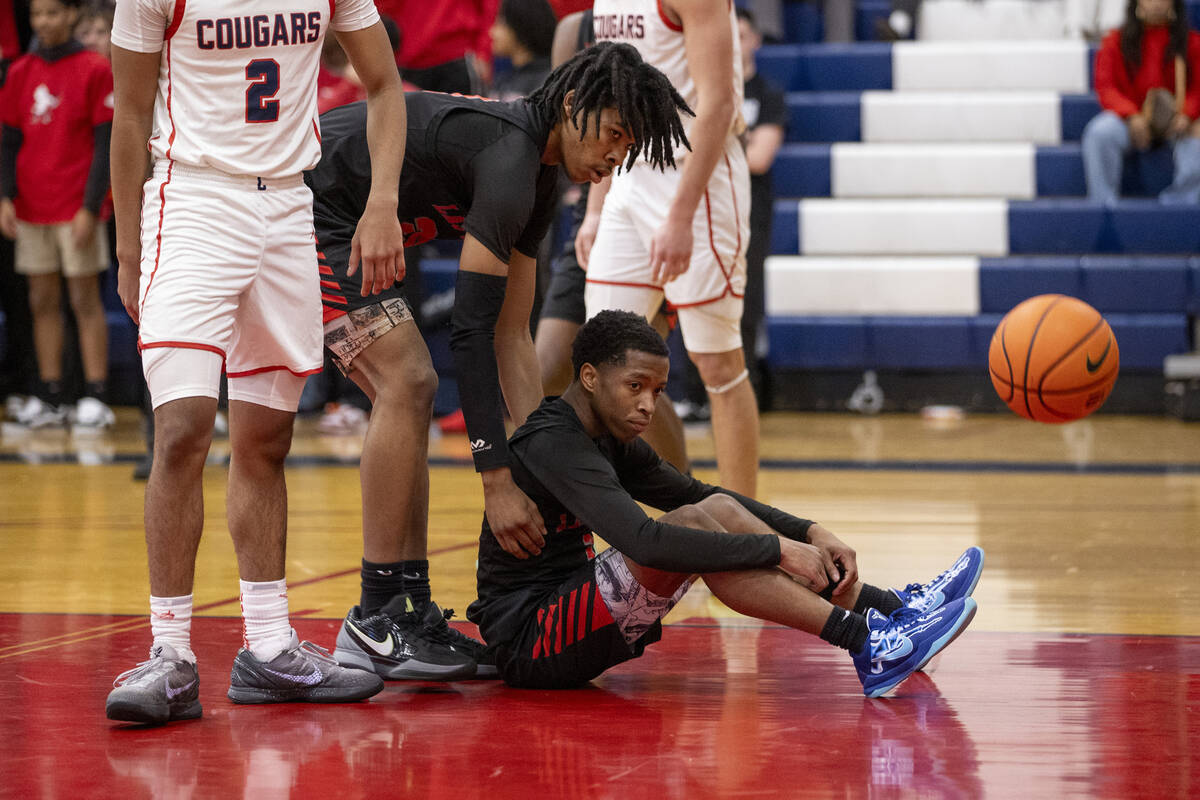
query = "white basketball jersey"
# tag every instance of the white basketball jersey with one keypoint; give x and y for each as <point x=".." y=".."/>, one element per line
<point x="645" y="25"/>
<point x="237" y="82"/>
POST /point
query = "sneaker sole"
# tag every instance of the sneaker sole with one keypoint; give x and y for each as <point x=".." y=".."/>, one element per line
<point x="969" y="609"/>
<point x="410" y="670"/>
<point x="247" y="695"/>
<point x="147" y="715"/>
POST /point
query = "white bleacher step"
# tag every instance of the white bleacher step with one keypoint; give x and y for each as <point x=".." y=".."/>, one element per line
<point x="962" y="117"/>
<point x="861" y="285"/>
<point x="903" y="227"/>
<point x="1058" y="65"/>
<point x="933" y="170"/>
<point x="990" y="20"/>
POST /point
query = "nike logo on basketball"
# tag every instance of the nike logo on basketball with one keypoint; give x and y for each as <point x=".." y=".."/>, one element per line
<point x="1092" y="366"/>
<point x="383" y="648"/>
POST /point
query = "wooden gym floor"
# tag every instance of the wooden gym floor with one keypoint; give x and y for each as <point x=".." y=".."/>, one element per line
<point x="1080" y="676"/>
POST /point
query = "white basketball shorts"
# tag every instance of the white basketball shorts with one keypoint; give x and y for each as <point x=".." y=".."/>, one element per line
<point x="229" y="277"/>
<point x="709" y="295"/>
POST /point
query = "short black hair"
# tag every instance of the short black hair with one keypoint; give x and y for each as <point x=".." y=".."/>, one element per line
<point x="532" y="22"/>
<point x="614" y="75"/>
<point x="607" y="337"/>
<point x="745" y="14"/>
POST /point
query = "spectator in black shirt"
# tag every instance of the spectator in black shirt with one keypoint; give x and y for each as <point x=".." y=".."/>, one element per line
<point x="484" y="172"/>
<point x="561" y="615"/>
<point x="523" y="33"/>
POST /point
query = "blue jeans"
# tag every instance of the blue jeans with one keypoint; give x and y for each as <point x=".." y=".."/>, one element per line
<point x="1105" y="145"/>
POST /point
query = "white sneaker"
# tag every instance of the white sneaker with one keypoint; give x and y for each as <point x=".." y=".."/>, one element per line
<point x="13" y="405"/>
<point x="341" y="419"/>
<point x="92" y="415"/>
<point x="39" y="414"/>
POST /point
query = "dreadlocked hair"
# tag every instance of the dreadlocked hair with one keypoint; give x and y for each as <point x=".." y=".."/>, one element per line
<point x="613" y="75"/>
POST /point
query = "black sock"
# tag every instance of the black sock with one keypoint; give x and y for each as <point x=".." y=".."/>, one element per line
<point x="882" y="600"/>
<point x="845" y="629"/>
<point x="416" y="581"/>
<point x="94" y="389"/>
<point x="380" y="583"/>
<point x="51" y="393"/>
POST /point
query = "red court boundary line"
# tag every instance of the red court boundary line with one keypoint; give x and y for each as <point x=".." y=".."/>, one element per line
<point x="133" y="623"/>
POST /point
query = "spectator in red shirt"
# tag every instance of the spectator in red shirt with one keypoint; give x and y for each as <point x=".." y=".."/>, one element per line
<point x="95" y="27"/>
<point x="1133" y="60"/>
<point x="444" y="44"/>
<point x="57" y="121"/>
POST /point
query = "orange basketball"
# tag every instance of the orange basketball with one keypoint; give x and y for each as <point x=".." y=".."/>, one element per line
<point x="1053" y="359"/>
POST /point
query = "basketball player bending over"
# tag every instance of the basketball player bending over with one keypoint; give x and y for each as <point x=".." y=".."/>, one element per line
<point x="218" y="266"/>
<point x="562" y="615"/>
<point x="484" y="172"/>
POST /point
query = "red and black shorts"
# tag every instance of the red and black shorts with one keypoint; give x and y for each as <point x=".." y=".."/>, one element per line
<point x="597" y="618"/>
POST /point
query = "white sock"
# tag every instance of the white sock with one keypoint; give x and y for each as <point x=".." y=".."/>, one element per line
<point x="171" y="623"/>
<point x="266" y="631"/>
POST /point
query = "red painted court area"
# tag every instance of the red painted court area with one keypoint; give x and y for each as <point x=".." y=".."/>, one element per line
<point x="714" y="710"/>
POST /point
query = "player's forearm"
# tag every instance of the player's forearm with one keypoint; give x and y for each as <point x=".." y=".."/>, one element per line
<point x="129" y="163"/>
<point x="516" y="358"/>
<point x="387" y="123"/>
<point x="708" y="134"/>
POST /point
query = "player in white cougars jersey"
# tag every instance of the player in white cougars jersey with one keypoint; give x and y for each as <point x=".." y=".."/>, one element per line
<point x="217" y="264"/>
<point x="683" y="234"/>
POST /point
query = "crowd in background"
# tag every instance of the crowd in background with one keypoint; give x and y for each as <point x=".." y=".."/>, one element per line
<point x="55" y="254"/>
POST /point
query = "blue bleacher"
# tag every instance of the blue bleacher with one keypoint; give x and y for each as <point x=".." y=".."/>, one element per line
<point x="828" y="67"/>
<point x="944" y="343"/>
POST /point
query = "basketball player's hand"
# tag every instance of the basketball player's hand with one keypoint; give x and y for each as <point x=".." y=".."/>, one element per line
<point x="514" y="518"/>
<point x="670" y="251"/>
<point x="585" y="237"/>
<point x="840" y="553"/>
<point x="129" y="278"/>
<point x="8" y="218"/>
<point x="378" y="245"/>
<point x="83" y="228"/>
<point x="809" y="565"/>
<point x="1179" y="126"/>
<point x="1139" y="132"/>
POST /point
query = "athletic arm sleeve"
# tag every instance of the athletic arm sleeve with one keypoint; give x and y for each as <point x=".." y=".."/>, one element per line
<point x="10" y="144"/>
<point x="478" y="298"/>
<point x="662" y="486"/>
<point x="96" y="188"/>
<point x="774" y="107"/>
<point x="570" y="467"/>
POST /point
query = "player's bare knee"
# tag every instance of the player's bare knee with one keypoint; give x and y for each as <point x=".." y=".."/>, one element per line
<point x="180" y="439"/>
<point x="691" y="516"/>
<point x="724" y="509"/>
<point x="717" y="369"/>
<point x="265" y="444"/>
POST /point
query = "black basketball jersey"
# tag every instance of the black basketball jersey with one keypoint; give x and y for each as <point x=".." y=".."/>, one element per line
<point x="471" y="165"/>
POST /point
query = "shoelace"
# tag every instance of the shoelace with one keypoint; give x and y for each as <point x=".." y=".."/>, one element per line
<point x="890" y="637"/>
<point x="318" y="652"/>
<point x="143" y="666"/>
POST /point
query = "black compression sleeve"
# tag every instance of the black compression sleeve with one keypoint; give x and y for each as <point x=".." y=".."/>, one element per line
<point x="781" y="522"/>
<point x="97" y="181"/>
<point x="10" y="145"/>
<point x="477" y="301"/>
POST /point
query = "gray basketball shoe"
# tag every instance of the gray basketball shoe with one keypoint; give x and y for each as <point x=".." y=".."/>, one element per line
<point x="160" y="689"/>
<point x="303" y="673"/>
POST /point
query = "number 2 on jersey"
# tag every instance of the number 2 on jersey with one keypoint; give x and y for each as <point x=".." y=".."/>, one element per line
<point x="263" y="75"/>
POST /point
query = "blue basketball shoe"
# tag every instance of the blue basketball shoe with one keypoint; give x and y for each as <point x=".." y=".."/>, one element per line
<point x="954" y="584"/>
<point x="901" y="644"/>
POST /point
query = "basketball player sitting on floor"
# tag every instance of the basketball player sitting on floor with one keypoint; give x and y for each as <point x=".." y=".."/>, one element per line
<point x="560" y="617"/>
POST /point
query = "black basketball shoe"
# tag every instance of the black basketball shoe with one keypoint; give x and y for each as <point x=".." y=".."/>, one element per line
<point x="396" y="644"/>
